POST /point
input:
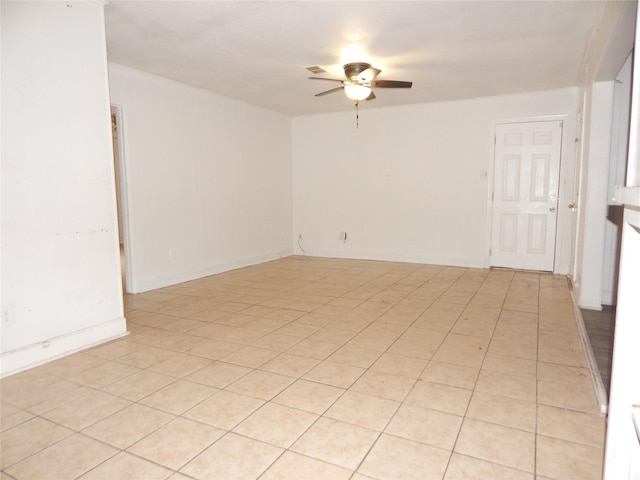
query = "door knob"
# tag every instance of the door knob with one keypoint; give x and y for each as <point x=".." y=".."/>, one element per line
<point x="552" y="209"/>
<point x="572" y="206"/>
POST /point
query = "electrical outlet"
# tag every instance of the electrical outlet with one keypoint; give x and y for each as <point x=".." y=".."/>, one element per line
<point x="7" y="315"/>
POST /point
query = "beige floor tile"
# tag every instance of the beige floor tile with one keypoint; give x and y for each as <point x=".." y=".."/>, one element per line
<point x="69" y="458"/>
<point x="449" y="374"/>
<point x="11" y="416"/>
<point x="413" y="349"/>
<point x="564" y="374"/>
<point x="462" y="467"/>
<point x="579" y="397"/>
<point x="313" y="349"/>
<point x="495" y="443"/>
<point x="115" y="349"/>
<point x="103" y="374"/>
<point x="309" y="396"/>
<point x="501" y="410"/>
<point x="522" y="367"/>
<point x="179" y="476"/>
<point x="177" y="442"/>
<point x="251" y="357"/>
<point x="182" y="325"/>
<point x="125" y="465"/>
<point x="175" y="342"/>
<point x="560" y="459"/>
<point x="477" y="325"/>
<point x="129" y="425"/>
<point x="146" y="356"/>
<point x="364" y="410"/>
<point x="562" y="350"/>
<point x="233" y="457"/>
<point x="224" y="409"/>
<point x="291" y="365"/>
<point x="86" y="410"/>
<point x="522" y="388"/>
<point x="467" y="356"/>
<point x="354" y="356"/>
<point x="218" y="374"/>
<point x="399" y="365"/>
<point x="424" y="425"/>
<point x="299" y="330"/>
<point x="336" y="374"/>
<point x="317" y="319"/>
<point x="429" y="338"/>
<point x="392" y="387"/>
<point x="277" y="342"/>
<point x="276" y="424"/>
<point x="180" y="365"/>
<point x="75" y="364"/>
<point x="293" y="466"/>
<point x="179" y="396"/>
<point x="260" y="384"/>
<point x="577" y="427"/>
<point x="331" y="334"/>
<point x="444" y="398"/>
<point x="526" y="347"/>
<point x="393" y="458"/>
<point x="336" y="442"/>
<point x="356" y="334"/>
<point x="55" y="395"/>
<point x="139" y="385"/>
<point x="28" y="438"/>
<point x="214" y="349"/>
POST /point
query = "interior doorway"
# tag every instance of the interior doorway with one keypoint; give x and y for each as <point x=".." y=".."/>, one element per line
<point x="118" y="164"/>
<point x="525" y="195"/>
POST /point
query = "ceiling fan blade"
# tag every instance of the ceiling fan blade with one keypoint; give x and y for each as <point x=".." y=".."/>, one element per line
<point x="329" y="91"/>
<point x="391" y="84"/>
<point x="369" y="74"/>
<point x="322" y="78"/>
<point x="371" y="96"/>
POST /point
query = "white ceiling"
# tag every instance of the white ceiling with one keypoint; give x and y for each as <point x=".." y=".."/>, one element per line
<point x="258" y="51"/>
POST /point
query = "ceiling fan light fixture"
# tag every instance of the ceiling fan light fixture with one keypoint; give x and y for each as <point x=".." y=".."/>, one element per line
<point x="357" y="92"/>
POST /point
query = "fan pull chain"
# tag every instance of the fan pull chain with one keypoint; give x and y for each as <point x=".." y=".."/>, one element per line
<point x="357" y="115"/>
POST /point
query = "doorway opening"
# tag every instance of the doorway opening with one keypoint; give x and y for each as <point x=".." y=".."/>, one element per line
<point x="525" y="195"/>
<point x="120" y="184"/>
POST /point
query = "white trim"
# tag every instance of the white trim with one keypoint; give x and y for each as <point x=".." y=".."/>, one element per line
<point x="397" y="257"/>
<point x="29" y="356"/>
<point x="561" y="222"/>
<point x="125" y="206"/>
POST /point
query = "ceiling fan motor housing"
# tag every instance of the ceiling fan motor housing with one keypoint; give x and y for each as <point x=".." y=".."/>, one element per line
<point x="354" y="69"/>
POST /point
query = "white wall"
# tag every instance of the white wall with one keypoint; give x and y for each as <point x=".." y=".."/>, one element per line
<point x="208" y="180"/>
<point x="60" y="263"/>
<point x="412" y="182"/>
<point x="592" y="204"/>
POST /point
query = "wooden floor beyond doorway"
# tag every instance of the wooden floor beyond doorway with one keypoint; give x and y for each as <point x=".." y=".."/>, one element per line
<point x="600" y="326"/>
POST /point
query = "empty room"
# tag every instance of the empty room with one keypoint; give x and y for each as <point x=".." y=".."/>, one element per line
<point x="366" y="240"/>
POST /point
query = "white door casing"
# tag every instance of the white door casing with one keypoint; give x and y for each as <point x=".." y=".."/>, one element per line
<point x="525" y="195"/>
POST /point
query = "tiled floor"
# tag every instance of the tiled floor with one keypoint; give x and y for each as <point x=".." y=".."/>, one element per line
<point x="309" y="368"/>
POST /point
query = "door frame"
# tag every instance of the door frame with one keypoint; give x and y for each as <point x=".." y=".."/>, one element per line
<point x="121" y="178"/>
<point x="563" y="235"/>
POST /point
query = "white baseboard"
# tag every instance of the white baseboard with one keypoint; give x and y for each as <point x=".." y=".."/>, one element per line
<point x="30" y="356"/>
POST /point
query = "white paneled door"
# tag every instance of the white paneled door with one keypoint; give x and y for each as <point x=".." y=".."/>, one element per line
<point x="525" y="195"/>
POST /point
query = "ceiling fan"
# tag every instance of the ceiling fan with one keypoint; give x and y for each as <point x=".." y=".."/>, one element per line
<point x="360" y="82"/>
